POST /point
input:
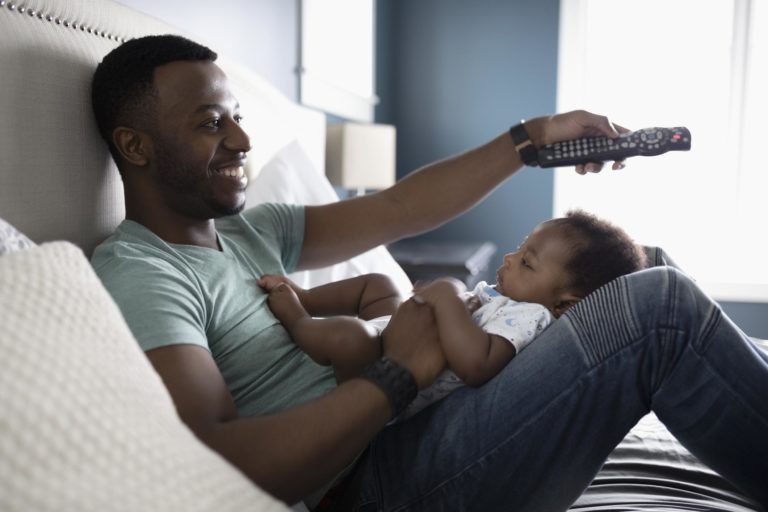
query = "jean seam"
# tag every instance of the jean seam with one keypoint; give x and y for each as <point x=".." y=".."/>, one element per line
<point x="725" y="383"/>
<point x="594" y="344"/>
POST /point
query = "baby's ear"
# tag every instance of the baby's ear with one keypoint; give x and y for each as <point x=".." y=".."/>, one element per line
<point x="566" y="302"/>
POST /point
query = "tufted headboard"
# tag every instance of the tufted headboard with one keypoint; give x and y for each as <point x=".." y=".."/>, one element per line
<point x="57" y="180"/>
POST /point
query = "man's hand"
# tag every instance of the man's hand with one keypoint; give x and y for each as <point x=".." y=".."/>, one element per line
<point x="411" y="340"/>
<point x="574" y="125"/>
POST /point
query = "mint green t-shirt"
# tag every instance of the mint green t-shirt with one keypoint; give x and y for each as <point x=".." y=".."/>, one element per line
<point x="175" y="294"/>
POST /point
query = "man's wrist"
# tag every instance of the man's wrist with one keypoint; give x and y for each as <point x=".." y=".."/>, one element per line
<point x="536" y="128"/>
<point x="524" y="145"/>
<point x="395" y="380"/>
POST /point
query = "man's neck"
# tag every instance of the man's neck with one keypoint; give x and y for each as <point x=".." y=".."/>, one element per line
<point x="176" y="229"/>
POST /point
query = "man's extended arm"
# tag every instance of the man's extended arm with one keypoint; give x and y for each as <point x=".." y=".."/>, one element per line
<point x="432" y="195"/>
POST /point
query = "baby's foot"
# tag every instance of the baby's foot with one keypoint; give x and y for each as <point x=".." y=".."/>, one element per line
<point x="285" y="305"/>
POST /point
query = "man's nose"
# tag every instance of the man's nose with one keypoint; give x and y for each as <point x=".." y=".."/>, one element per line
<point x="237" y="139"/>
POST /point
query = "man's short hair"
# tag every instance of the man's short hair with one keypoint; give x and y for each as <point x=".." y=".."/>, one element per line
<point x="122" y="90"/>
<point x="600" y="251"/>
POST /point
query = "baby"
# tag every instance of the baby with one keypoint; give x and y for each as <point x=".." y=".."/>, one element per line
<point x="558" y="264"/>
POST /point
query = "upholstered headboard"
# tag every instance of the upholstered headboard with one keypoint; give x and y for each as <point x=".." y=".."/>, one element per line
<point x="57" y="180"/>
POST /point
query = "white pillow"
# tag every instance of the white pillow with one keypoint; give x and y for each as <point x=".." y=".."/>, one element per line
<point x="290" y="177"/>
<point x="85" y="422"/>
<point x="11" y="239"/>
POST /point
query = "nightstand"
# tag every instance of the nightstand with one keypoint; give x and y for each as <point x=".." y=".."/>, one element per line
<point x="426" y="260"/>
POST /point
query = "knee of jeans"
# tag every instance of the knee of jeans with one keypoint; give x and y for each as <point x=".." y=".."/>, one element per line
<point x="684" y="289"/>
<point x="688" y="307"/>
<point x="667" y="296"/>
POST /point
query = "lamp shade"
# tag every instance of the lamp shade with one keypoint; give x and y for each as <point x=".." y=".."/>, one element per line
<point x="360" y="156"/>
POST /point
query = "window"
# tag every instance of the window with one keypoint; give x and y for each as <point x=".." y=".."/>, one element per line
<point x="337" y="57"/>
<point x="692" y="63"/>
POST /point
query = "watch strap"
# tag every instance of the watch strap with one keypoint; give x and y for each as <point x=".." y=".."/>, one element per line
<point x="395" y="380"/>
<point x="529" y="153"/>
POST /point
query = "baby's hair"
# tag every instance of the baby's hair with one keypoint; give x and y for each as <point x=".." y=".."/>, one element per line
<point x="601" y="251"/>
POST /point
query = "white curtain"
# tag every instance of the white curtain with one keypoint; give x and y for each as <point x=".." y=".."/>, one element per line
<point x="700" y="64"/>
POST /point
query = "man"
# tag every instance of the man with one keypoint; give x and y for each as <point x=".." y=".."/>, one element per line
<point x="183" y="266"/>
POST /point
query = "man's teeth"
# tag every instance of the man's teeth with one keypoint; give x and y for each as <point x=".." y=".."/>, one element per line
<point x="232" y="172"/>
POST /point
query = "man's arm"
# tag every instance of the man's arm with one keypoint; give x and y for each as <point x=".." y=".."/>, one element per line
<point x="433" y="194"/>
<point x="473" y="354"/>
<point x="294" y="452"/>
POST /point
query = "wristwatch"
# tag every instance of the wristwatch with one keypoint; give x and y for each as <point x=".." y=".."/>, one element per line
<point x="529" y="153"/>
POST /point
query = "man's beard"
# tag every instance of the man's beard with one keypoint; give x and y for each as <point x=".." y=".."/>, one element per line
<point x="182" y="179"/>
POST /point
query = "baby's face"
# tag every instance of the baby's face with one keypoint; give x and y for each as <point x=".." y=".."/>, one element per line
<point x="536" y="271"/>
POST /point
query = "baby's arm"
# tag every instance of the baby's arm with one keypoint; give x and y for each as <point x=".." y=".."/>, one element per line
<point x="366" y="296"/>
<point x="474" y="355"/>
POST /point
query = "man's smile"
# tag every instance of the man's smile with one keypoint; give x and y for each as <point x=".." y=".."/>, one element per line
<point x="232" y="172"/>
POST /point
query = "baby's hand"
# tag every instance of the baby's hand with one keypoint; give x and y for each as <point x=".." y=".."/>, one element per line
<point x="473" y="303"/>
<point x="432" y="292"/>
<point x="271" y="281"/>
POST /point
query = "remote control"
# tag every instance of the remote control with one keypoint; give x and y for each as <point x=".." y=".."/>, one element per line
<point x="645" y="142"/>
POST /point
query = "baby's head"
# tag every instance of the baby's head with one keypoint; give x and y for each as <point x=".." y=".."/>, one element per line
<point x="565" y="259"/>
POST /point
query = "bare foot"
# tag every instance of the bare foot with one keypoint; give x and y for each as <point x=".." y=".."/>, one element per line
<point x="285" y="305"/>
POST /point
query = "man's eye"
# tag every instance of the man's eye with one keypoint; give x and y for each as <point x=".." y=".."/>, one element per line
<point x="213" y="123"/>
<point x="238" y="119"/>
<point x="524" y="263"/>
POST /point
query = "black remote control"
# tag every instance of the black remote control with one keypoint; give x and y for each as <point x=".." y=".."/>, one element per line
<point x="645" y="142"/>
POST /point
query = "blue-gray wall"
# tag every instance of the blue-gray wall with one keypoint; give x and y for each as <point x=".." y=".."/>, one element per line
<point x="453" y="74"/>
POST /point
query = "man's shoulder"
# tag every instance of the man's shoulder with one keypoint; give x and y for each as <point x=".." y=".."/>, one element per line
<point x="131" y="246"/>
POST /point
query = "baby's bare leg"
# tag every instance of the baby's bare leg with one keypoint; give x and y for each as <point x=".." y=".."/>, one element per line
<point x="344" y="342"/>
<point x="379" y="297"/>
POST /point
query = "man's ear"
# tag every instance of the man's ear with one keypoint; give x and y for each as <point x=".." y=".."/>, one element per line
<point x="133" y="145"/>
<point x="565" y="302"/>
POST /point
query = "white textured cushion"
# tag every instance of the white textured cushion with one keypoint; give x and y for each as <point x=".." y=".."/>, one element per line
<point x="85" y="422"/>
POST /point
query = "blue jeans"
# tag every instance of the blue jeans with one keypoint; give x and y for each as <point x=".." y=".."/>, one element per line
<point x="533" y="437"/>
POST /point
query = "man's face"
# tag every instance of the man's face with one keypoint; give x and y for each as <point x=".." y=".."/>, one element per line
<point x="536" y="271"/>
<point x="199" y="147"/>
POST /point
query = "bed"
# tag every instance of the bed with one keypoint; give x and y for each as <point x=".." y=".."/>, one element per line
<point x="108" y="438"/>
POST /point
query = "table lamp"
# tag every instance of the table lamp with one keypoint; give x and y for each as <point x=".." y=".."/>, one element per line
<point x="360" y="156"/>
